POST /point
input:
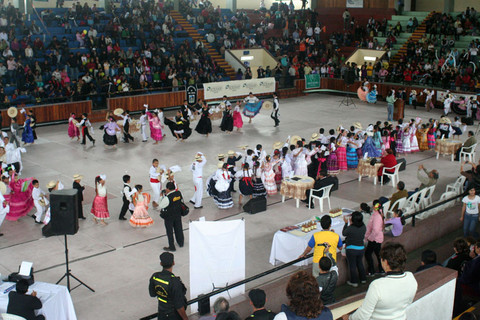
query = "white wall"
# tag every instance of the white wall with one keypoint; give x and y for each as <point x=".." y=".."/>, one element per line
<point x="67" y="3"/>
<point x="429" y="5"/>
<point x="261" y="57"/>
<point x="461" y="5"/>
<point x="255" y="4"/>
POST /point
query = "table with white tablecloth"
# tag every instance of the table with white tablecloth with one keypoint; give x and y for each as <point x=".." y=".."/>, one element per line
<point x="56" y="300"/>
<point x="288" y="246"/>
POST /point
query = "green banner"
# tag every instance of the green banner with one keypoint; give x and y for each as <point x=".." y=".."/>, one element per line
<point x="312" y="81"/>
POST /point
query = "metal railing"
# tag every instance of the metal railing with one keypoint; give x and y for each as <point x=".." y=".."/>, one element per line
<point x="283" y="266"/>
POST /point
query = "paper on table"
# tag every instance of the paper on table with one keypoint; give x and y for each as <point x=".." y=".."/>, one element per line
<point x="25" y="268"/>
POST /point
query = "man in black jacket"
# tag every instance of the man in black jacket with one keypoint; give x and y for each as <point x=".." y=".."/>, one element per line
<point x="169" y="290"/>
<point x="170" y="204"/>
<point x="22" y="304"/>
<point x="76" y="185"/>
<point x="323" y="180"/>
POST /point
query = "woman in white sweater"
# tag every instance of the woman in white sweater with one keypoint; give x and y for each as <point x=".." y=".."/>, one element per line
<point x="388" y="297"/>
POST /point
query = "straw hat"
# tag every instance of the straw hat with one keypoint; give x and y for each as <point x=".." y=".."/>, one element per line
<point x="243" y="147"/>
<point x="77" y="177"/>
<point x="221" y="156"/>
<point x="267" y="105"/>
<point x="51" y="184"/>
<point x="12" y="112"/>
<point x="277" y="145"/>
<point x="198" y="157"/>
<point x="314" y="137"/>
<point x="118" y="111"/>
<point x="3" y="187"/>
<point x="220" y="164"/>
<point x="445" y="120"/>
<point x="294" y="139"/>
<point x="358" y="125"/>
<point x="231" y="153"/>
<point x="413" y="91"/>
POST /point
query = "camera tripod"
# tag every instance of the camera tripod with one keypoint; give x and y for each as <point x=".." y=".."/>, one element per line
<point x="347" y="100"/>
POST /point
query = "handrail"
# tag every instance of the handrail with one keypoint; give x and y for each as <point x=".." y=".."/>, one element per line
<point x="239" y="283"/>
<point x="414" y="214"/>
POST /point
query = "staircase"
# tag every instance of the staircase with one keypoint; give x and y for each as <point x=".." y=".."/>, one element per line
<point x="193" y="33"/>
<point x="416" y="35"/>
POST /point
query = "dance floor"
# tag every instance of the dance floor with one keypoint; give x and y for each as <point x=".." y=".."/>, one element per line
<point x="117" y="260"/>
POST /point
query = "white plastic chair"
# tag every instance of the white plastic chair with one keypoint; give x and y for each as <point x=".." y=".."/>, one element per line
<point x="394" y="175"/>
<point x="325" y="195"/>
<point x="385" y="206"/>
<point x="457" y="186"/>
<point x="8" y="316"/>
<point x="400" y="203"/>
<point x="468" y="152"/>
<point x="411" y="203"/>
<point x="427" y="199"/>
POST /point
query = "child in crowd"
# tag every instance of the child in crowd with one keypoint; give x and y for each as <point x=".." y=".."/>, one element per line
<point x="397" y="223"/>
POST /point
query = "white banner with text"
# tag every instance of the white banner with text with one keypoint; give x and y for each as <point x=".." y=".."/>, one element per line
<point x="215" y="90"/>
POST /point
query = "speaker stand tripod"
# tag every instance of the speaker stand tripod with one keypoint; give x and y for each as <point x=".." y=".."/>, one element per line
<point x="68" y="274"/>
<point x="347" y="100"/>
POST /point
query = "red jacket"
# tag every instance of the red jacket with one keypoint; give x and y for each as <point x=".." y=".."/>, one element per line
<point x="388" y="161"/>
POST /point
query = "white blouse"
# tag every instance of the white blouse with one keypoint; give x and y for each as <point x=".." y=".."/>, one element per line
<point x="101" y="190"/>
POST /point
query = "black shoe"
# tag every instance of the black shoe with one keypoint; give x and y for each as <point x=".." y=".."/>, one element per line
<point x="34" y="217"/>
<point x="234" y="191"/>
<point x="1" y="234"/>
<point x="82" y="143"/>
<point x="192" y="202"/>
<point x="93" y="142"/>
<point x="122" y="218"/>
<point x="83" y="218"/>
<point x="169" y="249"/>
<point x="198" y="207"/>
<point x="306" y="201"/>
<point x="144" y="140"/>
<point x="311" y="207"/>
<point x="181" y="246"/>
<point x="39" y="222"/>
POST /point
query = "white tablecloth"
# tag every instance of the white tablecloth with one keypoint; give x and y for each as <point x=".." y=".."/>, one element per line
<point x="287" y="247"/>
<point x="56" y="300"/>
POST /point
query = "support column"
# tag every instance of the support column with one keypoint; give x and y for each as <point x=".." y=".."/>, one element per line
<point x="232" y="5"/>
<point x="448" y="6"/>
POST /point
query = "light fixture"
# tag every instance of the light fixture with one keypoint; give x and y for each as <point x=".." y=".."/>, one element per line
<point x="367" y="58"/>
<point x="246" y="58"/>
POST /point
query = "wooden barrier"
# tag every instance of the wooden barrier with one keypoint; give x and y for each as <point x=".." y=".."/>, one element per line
<point x="61" y="111"/>
<point x="156" y="100"/>
<point x="51" y="112"/>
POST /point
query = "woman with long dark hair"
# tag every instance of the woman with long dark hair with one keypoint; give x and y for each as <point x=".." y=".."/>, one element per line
<point x="374" y="236"/>
<point x="354" y="233"/>
<point x="100" y="205"/>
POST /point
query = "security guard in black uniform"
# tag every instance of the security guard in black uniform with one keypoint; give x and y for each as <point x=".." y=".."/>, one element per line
<point x="171" y="212"/>
<point x="169" y="290"/>
<point x="257" y="300"/>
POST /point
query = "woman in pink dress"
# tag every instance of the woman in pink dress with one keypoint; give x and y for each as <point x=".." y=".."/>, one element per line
<point x="237" y="117"/>
<point x="140" y="217"/>
<point x="73" y="130"/>
<point x="20" y="197"/>
<point x="156" y="124"/>
<point x="269" y="175"/>
<point x="100" y="205"/>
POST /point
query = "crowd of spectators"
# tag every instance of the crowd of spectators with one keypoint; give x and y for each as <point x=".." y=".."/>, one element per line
<point x="132" y="48"/>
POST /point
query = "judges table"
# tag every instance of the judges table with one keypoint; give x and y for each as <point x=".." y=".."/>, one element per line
<point x="364" y="168"/>
<point x="56" y="300"/>
<point x="447" y="147"/>
<point x="296" y="187"/>
<point x="288" y="243"/>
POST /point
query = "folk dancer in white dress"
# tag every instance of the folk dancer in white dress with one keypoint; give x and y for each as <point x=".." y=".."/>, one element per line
<point x="447" y="103"/>
<point x="301" y="165"/>
<point x="197" y="172"/>
<point x="143" y="125"/>
<point x="155" y="183"/>
<point x="4" y="206"/>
